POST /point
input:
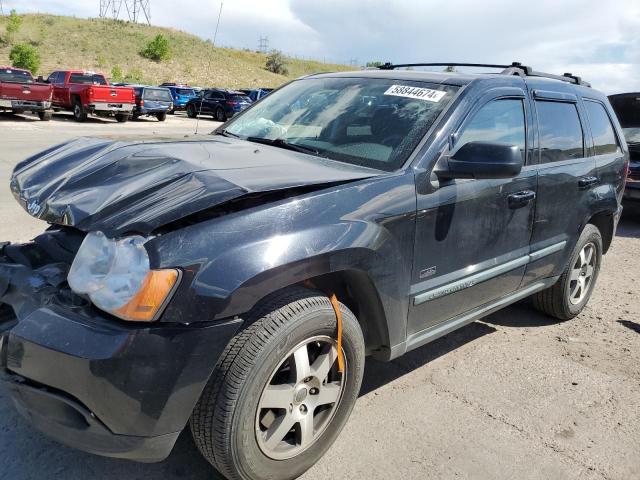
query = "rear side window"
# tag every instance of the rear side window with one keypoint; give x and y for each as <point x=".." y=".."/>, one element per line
<point x="560" y="131"/>
<point x="604" y="135"/>
<point x="498" y="121"/>
<point x="87" y="79"/>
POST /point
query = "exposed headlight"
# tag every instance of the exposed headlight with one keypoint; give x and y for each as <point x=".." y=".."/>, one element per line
<point x="116" y="276"/>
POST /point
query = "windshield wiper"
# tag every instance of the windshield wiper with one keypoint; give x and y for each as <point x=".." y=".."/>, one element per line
<point x="226" y="133"/>
<point x="281" y="143"/>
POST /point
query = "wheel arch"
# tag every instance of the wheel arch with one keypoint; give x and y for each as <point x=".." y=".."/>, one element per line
<point x="604" y="221"/>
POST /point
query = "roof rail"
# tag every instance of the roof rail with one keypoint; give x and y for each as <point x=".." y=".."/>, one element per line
<point x="516" y="68"/>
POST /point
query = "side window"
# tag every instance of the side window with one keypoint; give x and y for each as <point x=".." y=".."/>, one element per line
<point x="560" y="131"/>
<point x="497" y="121"/>
<point x="53" y="78"/>
<point x="604" y="135"/>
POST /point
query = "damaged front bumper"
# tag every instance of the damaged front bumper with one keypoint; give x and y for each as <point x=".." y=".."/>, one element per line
<point x="90" y="381"/>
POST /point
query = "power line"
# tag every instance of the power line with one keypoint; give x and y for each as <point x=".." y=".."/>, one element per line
<point x="263" y="44"/>
<point x="136" y="9"/>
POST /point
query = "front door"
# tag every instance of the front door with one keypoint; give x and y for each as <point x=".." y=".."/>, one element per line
<point x="472" y="236"/>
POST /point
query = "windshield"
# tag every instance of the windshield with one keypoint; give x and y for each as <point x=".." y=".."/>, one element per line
<point x="371" y="122"/>
<point x="631" y="135"/>
<point x="87" y="79"/>
<point x="157" y="94"/>
<point x="17" y="76"/>
<point x="186" y="91"/>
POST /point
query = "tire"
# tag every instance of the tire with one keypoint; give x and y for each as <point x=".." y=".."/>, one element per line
<point x="45" y="116"/>
<point x="172" y="112"/>
<point x="191" y="111"/>
<point x="565" y="299"/>
<point x="79" y="112"/>
<point x="122" y="117"/>
<point x="227" y="422"/>
<point x="56" y="110"/>
<point x="161" y="116"/>
<point x="220" y="115"/>
<point x="135" y="117"/>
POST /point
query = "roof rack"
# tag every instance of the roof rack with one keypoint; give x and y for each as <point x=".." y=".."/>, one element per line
<point x="516" y="68"/>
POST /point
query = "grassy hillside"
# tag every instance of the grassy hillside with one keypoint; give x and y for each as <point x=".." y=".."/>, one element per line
<point x="99" y="45"/>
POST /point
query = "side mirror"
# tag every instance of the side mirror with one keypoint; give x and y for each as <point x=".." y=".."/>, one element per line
<point x="484" y="160"/>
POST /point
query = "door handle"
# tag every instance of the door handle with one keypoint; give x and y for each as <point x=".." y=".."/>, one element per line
<point x="586" y="182"/>
<point x="521" y="199"/>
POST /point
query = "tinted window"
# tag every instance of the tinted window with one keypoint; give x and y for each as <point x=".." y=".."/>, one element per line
<point x="498" y="121"/>
<point x="87" y="79"/>
<point x="157" y="94"/>
<point x="239" y="98"/>
<point x="186" y="91"/>
<point x="17" y="76"/>
<point x="560" y="131"/>
<point x="604" y="136"/>
<point x="54" y="78"/>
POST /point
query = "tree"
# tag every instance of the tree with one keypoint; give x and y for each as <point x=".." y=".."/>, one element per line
<point x="157" y="49"/>
<point x="277" y="63"/>
<point x="25" y="56"/>
<point x="450" y="69"/>
<point x="13" y="24"/>
<point x="374" y="64"/>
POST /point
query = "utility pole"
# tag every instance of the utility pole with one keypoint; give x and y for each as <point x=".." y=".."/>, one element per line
<point x="215" y="34"/>
<point x="1" y="9"/>
<point x="263" y="44"/>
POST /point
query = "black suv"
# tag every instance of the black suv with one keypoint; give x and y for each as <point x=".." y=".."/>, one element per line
<point x="236" y="283"/>
<point x="219" y="103"/>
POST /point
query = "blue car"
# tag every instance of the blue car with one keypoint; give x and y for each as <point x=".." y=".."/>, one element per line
<point x="181" y="94"/>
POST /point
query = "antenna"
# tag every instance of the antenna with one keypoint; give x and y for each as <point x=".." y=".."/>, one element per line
<point x="215" y="34"/>
<point x="263" y="44"/>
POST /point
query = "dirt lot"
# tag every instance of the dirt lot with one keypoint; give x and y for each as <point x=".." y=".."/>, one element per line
<point x="516" y="395"/>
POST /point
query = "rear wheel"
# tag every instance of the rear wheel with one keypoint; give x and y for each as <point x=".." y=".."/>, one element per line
<point x="570" y="294"/>
<point x="276" y="400"/>
<point x="162" y="116"/>
<point x="79" y="112"/>
<point x="191" y="111"/>
<point x="45" y="116"/>
<point x="220" y="115"/>
<point x="122" y="117"/>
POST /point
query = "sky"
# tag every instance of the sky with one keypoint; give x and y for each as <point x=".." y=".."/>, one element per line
<point x="596" y="39"/>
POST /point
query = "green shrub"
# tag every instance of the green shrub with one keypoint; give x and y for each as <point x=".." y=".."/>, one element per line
<point x="13" y="25"/>
<point x="157" y="49"/>
<point x="25" y="56"/>
<point x="116" y="74"/>
<point x="277" y="63"/>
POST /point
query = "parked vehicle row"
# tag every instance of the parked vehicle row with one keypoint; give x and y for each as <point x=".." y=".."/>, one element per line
<point x="627" y="108"/>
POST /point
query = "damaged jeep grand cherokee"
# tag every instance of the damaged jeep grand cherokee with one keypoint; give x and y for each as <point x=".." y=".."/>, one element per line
<point x="236" y="283"/>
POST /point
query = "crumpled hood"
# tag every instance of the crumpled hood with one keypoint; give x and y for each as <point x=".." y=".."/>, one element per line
<point x="120" y="187"/>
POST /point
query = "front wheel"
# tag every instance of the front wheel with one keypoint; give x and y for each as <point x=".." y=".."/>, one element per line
<point x="162" y="116"/>
<point x="570" y="294"/>
<point x="277" y="400"/>
<point x="45" y="116"/>
<point x="191" y="111"/>
<point x="122" y="117"/>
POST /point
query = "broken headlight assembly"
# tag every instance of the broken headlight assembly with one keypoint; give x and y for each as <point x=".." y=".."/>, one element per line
<point x="116" y="276"/>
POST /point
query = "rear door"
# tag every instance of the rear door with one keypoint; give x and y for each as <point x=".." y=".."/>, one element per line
<point x="567" y="177"/>
<point x="472" y="235"/>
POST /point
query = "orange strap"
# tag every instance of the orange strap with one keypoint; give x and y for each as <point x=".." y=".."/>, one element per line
<point x="336" y="309"/>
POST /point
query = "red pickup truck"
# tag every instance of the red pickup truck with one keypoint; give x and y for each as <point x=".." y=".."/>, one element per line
<point x="19" y="93"/>
<point x="86" y="93"/>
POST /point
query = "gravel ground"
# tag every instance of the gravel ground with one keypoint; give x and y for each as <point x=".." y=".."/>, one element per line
<point x="516" y="395"/>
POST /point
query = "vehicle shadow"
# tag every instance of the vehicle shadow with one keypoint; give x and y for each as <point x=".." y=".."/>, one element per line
<point x="377" y="373"/>
<point x="630" y="325"/>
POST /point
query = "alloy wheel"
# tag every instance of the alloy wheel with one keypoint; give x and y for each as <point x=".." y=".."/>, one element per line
<point x="300" y="399"/>
<point x="582" y="273"/>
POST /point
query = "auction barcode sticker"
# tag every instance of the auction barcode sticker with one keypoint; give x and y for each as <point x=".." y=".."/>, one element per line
<point x="415" y="92"/>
